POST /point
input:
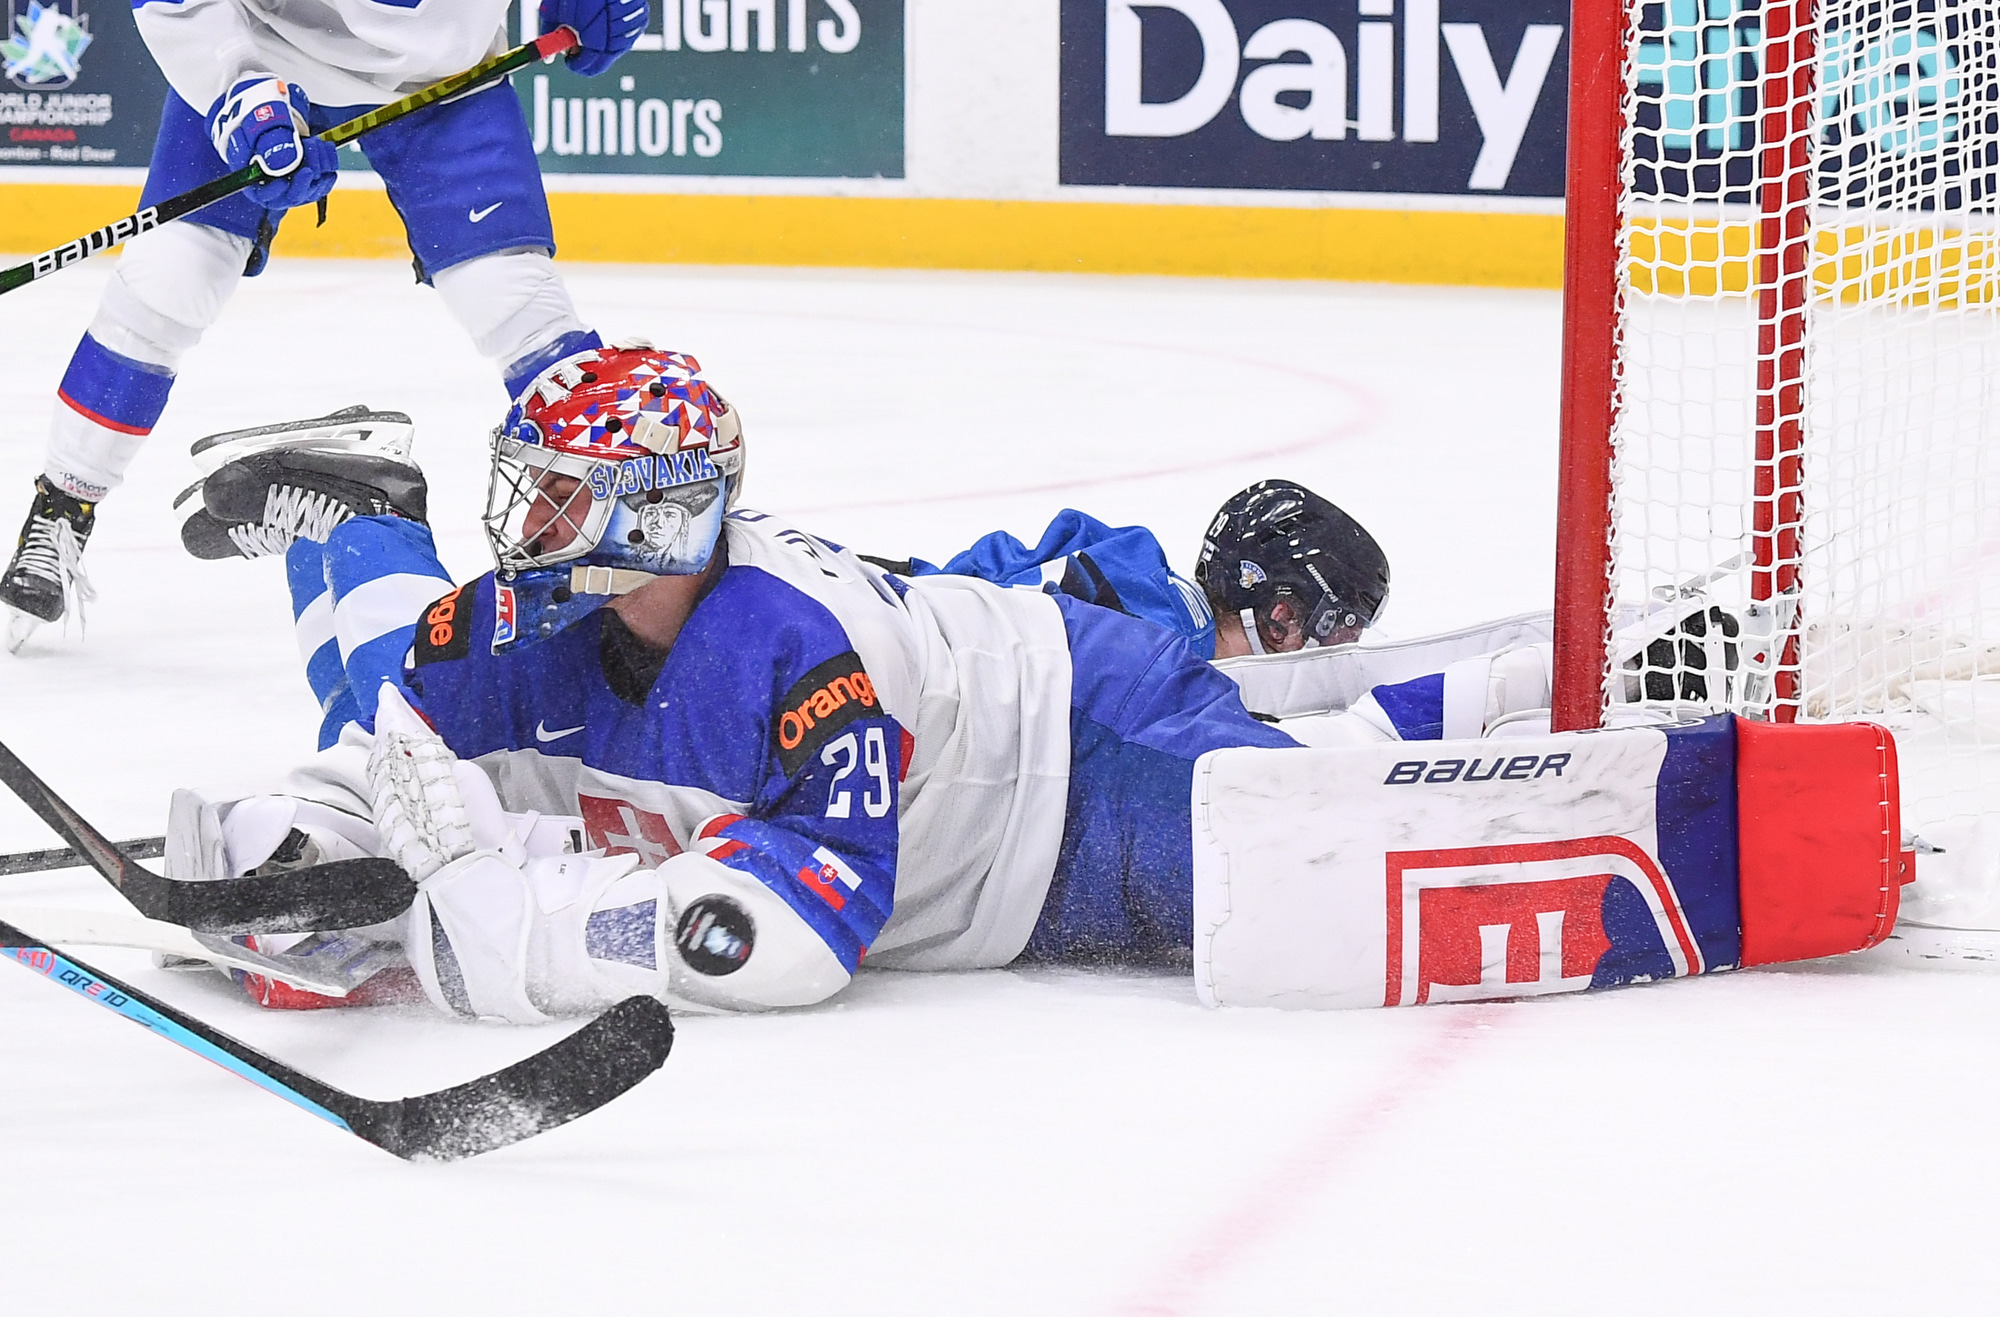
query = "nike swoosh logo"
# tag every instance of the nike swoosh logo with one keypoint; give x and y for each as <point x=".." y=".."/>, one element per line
<point x="477" y="215"/>
<point x="544" y="735"/>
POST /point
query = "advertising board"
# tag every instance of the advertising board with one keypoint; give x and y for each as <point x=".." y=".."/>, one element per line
<point x="1441" y="97"/>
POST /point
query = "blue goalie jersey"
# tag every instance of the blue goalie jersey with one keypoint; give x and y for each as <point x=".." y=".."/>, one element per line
<point x="812" y="726"/>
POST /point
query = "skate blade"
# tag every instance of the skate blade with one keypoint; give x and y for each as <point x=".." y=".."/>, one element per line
<point x="20" y="626"/>
<point x="353" y="429"/>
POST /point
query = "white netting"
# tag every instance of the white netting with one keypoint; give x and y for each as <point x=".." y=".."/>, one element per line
<point x="1810" y="292"/>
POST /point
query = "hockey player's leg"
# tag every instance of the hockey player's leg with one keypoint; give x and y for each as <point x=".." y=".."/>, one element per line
<point x="312" y="623"/>
<point x="356" y="602"/>
<point x="169" y="286"/>
<point x="464" y="177"/>
<point x="1143" y="709"/>
<point x="385" y="576"/>
<point x="1469" y="698"/>
<point x="517" y="312"/>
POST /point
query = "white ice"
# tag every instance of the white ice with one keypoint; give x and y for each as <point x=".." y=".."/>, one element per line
<point x="1814" y="1138"/>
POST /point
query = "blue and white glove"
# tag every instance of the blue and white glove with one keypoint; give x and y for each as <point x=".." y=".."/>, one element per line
<point x="264" y="119"/>
<point x="605" y="29"/>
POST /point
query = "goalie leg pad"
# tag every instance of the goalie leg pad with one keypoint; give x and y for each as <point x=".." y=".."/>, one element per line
<point x="1456" y="870"/>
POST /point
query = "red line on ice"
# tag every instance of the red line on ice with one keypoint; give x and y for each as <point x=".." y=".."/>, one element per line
<point x="1289" y="1187"/>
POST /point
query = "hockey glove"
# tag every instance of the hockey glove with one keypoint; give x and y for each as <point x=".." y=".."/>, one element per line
<point x="264" y="119"/>
<point x="605" y="29"/>
<point x="419" y="795"/>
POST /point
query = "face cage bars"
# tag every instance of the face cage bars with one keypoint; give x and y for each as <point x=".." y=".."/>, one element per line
<point x="515" y="485"/>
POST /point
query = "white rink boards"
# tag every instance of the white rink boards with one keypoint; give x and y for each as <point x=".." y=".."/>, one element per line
<point x="1807" y="1139"/>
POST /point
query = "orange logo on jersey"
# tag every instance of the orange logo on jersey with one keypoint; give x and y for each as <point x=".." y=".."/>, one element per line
<point x="827" y="700"/>
<point x="439" y="618"/>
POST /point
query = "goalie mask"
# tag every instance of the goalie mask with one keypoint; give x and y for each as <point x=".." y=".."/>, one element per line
<point x="1278" y="540"/>
<point x="618" y="464"/>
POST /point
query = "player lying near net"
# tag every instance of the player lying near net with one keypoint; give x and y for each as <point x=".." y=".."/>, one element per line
<point x="766" y="760"/>
<point x="253" y="79"/>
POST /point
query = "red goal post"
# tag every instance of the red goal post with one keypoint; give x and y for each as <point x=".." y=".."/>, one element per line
<point x="1780" y="461"/>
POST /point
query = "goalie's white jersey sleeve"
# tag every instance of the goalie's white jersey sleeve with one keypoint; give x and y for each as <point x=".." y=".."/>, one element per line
<point x="342" y="52"/>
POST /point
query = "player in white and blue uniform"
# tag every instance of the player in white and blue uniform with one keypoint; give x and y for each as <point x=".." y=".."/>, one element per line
<point x="1117" y="567"/>
<point x="778" y="759"/>
<point x="253" y="79"/>
<point x="1281" y="569"/>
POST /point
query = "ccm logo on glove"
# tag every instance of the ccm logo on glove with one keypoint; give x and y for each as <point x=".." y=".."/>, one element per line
<point x="1520" y="768"/>
<point x="821" y="703"/>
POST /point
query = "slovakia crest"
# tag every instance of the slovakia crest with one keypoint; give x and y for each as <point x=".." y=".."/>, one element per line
<point x="44" y="45"/>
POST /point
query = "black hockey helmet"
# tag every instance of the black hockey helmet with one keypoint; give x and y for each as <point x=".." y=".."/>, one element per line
<point x="1278" y="539"/>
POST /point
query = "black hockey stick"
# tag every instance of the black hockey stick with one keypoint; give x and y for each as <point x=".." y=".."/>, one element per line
<point x="554" y="1086"/>
<point x="68" y="857"/>
<point x="344" y="894"/>
<point x="542" y="48"/>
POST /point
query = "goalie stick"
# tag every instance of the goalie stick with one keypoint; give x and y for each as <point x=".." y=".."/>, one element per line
<point x="543" y="48"/>
<point x="553" y="1087"/>
<point x="343" y="894"/>
<point x="332" y="965"/>
<point x="68" y="857"/>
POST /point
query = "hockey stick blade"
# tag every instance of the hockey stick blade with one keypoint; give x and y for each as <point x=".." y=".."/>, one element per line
<point x="68" y="857"/>
<point x="553" y="1087"/>
<point x="343" y="894"/>
<point x="572" y="1078"/>
<point x="543" y="48"/>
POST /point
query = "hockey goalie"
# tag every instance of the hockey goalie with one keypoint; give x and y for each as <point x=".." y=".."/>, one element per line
<point x="676" y="746"/>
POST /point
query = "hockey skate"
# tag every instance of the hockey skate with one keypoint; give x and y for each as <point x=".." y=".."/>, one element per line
<point x="264" y="488"/>
<point x="45" y="581"/>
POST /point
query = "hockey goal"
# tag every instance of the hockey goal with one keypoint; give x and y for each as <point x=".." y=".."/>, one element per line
<point x="1781" y="395"/>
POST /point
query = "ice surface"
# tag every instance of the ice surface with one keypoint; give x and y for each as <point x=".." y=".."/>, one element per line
<point x="1811" y="1139"/>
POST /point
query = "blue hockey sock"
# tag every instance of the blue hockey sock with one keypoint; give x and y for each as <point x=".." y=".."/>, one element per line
<point x="520" y="374"/>
<point x="382" y="573"/>
<point x="312" y="621"/>
<point x="115" y="391"/>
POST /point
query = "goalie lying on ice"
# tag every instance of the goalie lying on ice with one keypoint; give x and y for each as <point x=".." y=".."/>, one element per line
<point x="766" y="760"/>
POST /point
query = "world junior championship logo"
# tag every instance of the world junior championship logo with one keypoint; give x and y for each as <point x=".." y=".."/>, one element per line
<point x="44" y="47"/>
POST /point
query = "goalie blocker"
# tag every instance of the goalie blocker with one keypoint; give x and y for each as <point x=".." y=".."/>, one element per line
<point x="1522" y="866"/>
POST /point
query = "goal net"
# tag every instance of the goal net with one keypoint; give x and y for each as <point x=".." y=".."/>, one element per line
<point x="1782" y="387"/>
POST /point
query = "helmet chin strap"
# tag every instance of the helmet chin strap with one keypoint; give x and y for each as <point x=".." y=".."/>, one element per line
<point x="607" y="580"/>
<point x="1251" y="634"/>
